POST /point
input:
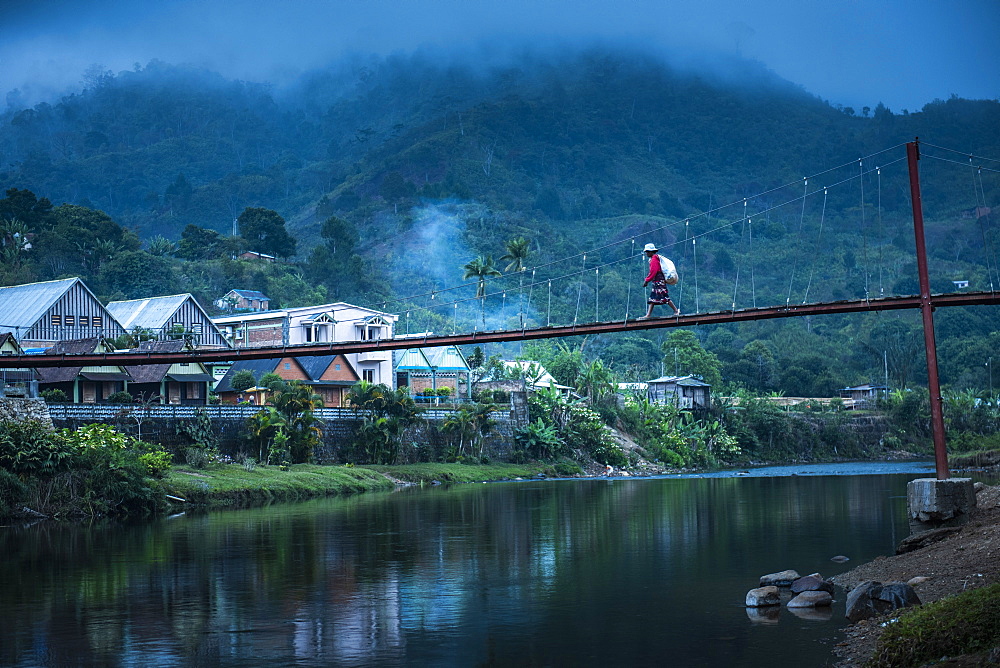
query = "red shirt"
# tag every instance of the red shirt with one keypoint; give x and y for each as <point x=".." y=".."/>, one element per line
<point x="654" y="268"/>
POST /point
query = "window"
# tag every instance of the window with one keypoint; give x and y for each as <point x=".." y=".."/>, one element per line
<point x="68" y="321"/>
<point x="309" y="334"/>
<point x="185" y="363"/>
<point x="96" y="321"/>
<point x="369" y="375"/>
<point x="288" y="366"/>
<point x="194" y="390"/>
<point x="337" y="367"/>
<point x="56" y="320"/>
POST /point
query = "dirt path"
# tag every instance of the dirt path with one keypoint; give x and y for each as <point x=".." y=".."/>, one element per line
<point x="966" y="559"/>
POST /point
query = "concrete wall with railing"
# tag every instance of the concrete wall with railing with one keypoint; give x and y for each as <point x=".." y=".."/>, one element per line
<point x="171" y="426"/>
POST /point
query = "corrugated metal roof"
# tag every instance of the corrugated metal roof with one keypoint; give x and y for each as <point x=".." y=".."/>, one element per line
<point x="152" y="313"/>
<point x="447" y="358"/>
<point x="21" y="306"/>
<point x="687" y="381"/>
<point x="251" y="294"/>
<point x="413" y="358"/>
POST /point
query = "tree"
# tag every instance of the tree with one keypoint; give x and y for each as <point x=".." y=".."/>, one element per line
<point x="481" y="268"/>
<point x="297" y="404"/>
<point x="684" y="355"/>
<point x="199" y="243"/>
<point x="138" y="274"/>
<point x="243" y="380"/>
<point x="518" y="250"/>
<point x="385" y="414"/>
<point x="265" y="231"/>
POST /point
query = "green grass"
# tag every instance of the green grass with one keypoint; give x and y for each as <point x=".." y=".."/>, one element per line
<point x="977" y="458"/>
<point x="428" y="472"/>
<point x="232" y="485"/>
<point x="966" y="623"/>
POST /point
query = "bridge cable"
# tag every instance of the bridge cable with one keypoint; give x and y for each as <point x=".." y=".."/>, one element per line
<point x="597" y="294"/>
<point x="707" y="214"/>
<point x="881" y="233"/>
<point x="795" y="262"/>
<point x="986" y="228"/>
<point x="753" y="282"/>
<point x="819" y="240"/>
<point x="681" y="281"/>
<point x="864" y="230"/>
<point x="628" y="297"/>
<point x="739" y="264"/>
<point x="579" y="292"/>
<point x="531" y="288"/>
<point x="548" y="314"/>
<point x="694" y="249"/>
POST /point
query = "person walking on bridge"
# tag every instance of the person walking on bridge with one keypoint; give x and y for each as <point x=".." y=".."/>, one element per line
<point x="659" y="268"/>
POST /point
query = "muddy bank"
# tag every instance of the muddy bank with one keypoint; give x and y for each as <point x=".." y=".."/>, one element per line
<point x="966" y="559"/>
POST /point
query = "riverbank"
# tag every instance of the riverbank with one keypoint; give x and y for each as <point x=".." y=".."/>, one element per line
<point x="230" y="485"/>
<point x="967" y="559"/>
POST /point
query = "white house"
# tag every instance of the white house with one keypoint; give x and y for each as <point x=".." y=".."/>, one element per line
<point x="326" y="323"/>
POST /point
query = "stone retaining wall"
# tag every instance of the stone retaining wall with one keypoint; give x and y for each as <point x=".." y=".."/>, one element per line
<point x="24" y="410"/>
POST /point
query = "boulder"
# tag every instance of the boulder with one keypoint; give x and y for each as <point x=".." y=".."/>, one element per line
<point x="782" y="579"/>
<point x="814" y="582"/>
<point x="763" y="597"/>
<point x="840" y="559"/>
<point x="917" y="580"/>
<point x="811" y="599"/>
<point x="873" y="598"/>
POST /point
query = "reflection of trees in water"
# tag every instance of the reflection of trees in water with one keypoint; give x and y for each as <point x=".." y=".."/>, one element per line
<point x="356" y="579"/>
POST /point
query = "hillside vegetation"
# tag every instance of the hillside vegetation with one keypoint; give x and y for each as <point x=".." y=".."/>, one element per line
<point x="386" y="177"/>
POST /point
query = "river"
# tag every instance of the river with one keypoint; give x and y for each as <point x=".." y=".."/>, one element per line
<point x="546" y="573"/>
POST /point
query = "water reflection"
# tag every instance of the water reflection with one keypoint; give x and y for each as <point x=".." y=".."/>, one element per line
<point x="531" y="573"/>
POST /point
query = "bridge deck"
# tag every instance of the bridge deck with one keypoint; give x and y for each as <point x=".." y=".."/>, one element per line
<point x="313" y="349"/>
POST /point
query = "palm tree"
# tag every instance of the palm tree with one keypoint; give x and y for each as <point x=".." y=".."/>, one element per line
<point x="481" y="268"/>
<point x="517" y="252"/>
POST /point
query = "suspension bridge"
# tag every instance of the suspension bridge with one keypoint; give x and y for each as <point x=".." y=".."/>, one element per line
<point x="806" y="273"/>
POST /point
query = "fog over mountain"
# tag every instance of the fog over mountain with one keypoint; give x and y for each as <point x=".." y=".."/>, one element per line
<point x="850" y="53"/>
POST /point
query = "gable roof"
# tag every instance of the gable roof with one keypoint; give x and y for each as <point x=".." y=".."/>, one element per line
<point x="315" y="367"/>
<point x="438" y="358"/>
<point x="251" y="294"/>
<point x="78" y="347"/>
<point x="7" y="339"/>
<point x="154" y="373"/>
<point x="23" y="305"/>
<point x="685" y="381"/>
<point x="151" y="313"/>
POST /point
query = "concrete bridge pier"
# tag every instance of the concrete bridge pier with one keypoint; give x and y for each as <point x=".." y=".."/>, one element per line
<point x="932" y="503"/>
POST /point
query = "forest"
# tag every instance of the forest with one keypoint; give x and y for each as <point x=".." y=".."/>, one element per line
<point x="391" y="182"/>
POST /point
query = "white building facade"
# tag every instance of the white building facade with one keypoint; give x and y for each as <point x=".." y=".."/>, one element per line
<point x="326" y="323"/>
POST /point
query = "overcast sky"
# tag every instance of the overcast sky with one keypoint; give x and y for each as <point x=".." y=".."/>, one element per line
<point x="903" y="53"/>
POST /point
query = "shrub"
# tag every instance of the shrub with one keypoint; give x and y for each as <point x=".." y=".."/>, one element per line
<point x="29" y="448"/>
<point x="196" y="457"/>
<point x="120" y="398"/>
<point x="54" y="396"/>
<point x="961" y="624"/>
<point x="156" y="462"/>
<point x="539" y="440"/>
<point x="12" y="490"/>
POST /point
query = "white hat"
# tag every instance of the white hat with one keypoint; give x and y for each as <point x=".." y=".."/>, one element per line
<point x="650" y="247"/>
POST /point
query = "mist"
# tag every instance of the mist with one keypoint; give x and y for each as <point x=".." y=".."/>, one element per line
<point x="850" y="53"/>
